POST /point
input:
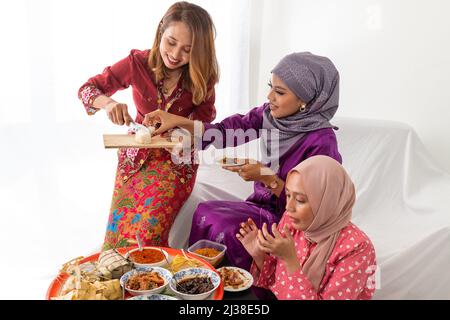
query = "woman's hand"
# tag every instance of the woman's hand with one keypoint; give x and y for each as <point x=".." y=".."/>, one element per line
<point x="118" y="113"/>
<point x="248" y="236"/>
<point x="165" y="120"/>
<point x="281" y="246"/>
<point x="252" y="170"/>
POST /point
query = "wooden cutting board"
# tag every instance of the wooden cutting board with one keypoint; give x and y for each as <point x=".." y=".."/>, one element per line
<point x="112" y="141"/>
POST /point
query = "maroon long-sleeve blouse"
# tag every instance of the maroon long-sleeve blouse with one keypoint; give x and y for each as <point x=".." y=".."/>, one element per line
<point x="134" y="71"/>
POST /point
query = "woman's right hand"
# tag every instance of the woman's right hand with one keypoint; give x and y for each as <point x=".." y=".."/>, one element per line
<point x="118" y="113"/>
<point x="248" y="236"/>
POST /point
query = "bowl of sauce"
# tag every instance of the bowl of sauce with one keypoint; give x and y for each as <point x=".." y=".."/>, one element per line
<point x="148" y="257"/>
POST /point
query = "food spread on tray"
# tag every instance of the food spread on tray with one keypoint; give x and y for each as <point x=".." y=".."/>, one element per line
<point x="98" y="279"/>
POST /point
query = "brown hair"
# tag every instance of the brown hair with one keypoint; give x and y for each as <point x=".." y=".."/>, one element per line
<point x="202" y="71"/>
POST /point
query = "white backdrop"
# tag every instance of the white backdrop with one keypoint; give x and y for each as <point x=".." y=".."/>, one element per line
<point x="56" y="179"/>
<point x="393" y="57"/>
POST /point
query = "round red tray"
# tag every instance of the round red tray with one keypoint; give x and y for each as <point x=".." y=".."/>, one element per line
<point x="58" y="282"/>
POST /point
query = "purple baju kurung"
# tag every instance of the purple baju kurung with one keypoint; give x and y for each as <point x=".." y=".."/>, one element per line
<point x="219" y="220"/>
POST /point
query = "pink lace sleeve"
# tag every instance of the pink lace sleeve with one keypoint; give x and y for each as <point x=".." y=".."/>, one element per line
<point x="87" y="95"/>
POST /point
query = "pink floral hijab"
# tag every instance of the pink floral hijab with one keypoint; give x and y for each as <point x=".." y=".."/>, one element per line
<point x="331" y="194"/>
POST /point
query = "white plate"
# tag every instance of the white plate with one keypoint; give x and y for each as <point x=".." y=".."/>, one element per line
<point x="244" y="273"/>
<point x="241" y="162"/>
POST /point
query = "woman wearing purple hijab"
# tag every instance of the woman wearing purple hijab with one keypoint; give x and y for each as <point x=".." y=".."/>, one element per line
<point x="303" y="97"/>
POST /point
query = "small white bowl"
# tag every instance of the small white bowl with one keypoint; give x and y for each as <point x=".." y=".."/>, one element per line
<point x="192" y="273"/>
<point x="161" y="263"/>
<point x="163" y="273"/>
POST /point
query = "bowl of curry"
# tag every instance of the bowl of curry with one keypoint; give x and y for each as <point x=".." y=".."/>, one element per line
<point x="148" y="257"/>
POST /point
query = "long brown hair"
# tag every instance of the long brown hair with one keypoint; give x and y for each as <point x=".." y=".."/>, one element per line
<point x="202" y="71"/>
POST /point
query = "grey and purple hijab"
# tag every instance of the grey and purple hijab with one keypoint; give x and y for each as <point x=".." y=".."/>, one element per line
<point x="314" y="80"/>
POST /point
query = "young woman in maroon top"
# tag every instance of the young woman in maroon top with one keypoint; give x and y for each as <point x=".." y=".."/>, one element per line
<point x="177" y="75"/>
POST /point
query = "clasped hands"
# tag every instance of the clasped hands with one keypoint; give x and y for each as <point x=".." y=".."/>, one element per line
<point x="259" y="242"/>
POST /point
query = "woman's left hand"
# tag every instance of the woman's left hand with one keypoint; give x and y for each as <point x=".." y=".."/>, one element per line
<point x="281" y="246"/>
<point x="252" y="170"/>
<point x="165" y="120"/>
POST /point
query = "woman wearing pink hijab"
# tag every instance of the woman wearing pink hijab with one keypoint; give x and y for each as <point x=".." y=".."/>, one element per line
<point x="315" y="252"/>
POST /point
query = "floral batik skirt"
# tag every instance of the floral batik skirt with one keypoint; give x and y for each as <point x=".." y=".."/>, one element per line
<point x="148" y="202"/>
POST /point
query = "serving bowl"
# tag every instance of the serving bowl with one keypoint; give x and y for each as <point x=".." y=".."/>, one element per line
<point x="180" y="277"/>
<point x="146" y="254"/>
<point x="165" y="274"/>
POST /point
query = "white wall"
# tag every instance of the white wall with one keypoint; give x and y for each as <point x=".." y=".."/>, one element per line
<point x="393" y="57"/>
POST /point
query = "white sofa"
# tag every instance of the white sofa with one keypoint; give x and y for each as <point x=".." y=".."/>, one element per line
<point x="401" y="204"/>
